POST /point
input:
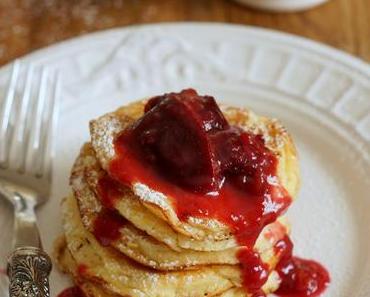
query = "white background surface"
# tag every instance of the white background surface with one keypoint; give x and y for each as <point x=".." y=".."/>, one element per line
<point x="320" y="94"/>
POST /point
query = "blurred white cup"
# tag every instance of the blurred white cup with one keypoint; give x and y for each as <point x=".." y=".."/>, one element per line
<point x="282" y="5"/>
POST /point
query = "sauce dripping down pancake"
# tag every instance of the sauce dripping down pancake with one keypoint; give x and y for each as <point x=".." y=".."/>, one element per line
<point x="184" y="148"/>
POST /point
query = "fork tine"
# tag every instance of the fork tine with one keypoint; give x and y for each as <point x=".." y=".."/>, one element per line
<point x="34" y="151"/>
<point x="52" y="121"/>
<point x="5" y="113"/>
<point x="17" y="147"/>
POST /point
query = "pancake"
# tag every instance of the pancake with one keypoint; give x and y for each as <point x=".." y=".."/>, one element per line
<point x="66" y="263"/>
<point x="105" y="129"/>
<point x="143" y="248"/>
<point x="122" y="276"/>
<point x="103" y="270"/>
<point x="136" y="243"/>
<point x="88" y="168"/>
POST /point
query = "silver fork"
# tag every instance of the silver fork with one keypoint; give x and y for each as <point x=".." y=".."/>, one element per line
<point x="27" y="131"/>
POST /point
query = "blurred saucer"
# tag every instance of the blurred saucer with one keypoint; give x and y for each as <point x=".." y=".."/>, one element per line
<point x="282" y="5"/>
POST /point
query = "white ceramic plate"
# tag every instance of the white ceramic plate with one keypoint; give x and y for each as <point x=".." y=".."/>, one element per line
<point x="321" y="95"/>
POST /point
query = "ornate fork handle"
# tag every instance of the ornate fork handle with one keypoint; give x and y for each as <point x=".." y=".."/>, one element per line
<point x="28" y="271"/>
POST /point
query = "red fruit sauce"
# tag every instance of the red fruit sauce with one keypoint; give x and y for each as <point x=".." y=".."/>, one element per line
<point x="108" y="223"/>
<point x="82" y="270"/>
<point x="185" y="148"/>
<point x="300" y="278"/>
<point x="109" y="191"/>
<point x="72" y="292"/>
<point x="107" y="226"/>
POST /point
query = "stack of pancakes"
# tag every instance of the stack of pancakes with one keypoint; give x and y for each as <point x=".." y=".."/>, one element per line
<point x="156" y="253"/>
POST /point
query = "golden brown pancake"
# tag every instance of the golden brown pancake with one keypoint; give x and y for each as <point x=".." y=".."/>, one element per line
<point x="66" y="263"/>
<point x="145" y="249"/>
<point x="125" y="277"/>
<point x="90" y="288"/>
<point x="87" y="168"/>
<point x="83" y="257"/>
<point x="105" y="129"/>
